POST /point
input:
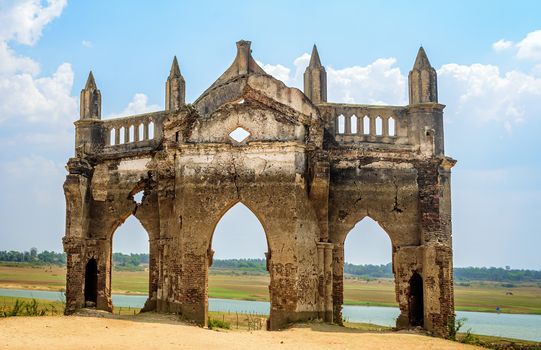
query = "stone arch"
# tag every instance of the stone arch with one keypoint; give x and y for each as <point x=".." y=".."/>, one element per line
<point x="145" y="213"/>
<point x="338" y="237"/>
<point x="251" y="206"/>
<point x="367" y="220"/>
<point x="223" y="212"/>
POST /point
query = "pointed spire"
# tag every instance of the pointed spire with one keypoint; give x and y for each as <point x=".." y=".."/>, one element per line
<point x="90" y="82"/>
<point x="315" y="79"/>
<point x="315" y="62"/>
<point x="175" y="88"/>
<point x="421" y="62"/>
<point x="175" y="70"/>
<point x="422" y="80"/>
<point x="90" y="101"/>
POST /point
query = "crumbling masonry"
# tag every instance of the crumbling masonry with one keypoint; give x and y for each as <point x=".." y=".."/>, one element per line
<point x="308" y="169"/>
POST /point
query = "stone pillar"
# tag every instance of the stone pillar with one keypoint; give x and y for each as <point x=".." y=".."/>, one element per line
<point x="76" y="194"/>
<point x="325" y="263"/>
<point x="73" y="247"/>
<point x="435" y="206"/>
<point x="338" y="282"/>
<point x="101" y="249"/>
<point x="328" y="281"/>
<point x="321" y="285"/>
<point x="406" y="261"/>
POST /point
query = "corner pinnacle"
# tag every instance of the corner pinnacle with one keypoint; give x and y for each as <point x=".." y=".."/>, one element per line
<point x="175" y="70"/>
<point x="421" y="61"/>
<point x="315" y="62"/>
<point x="90" y="82"/>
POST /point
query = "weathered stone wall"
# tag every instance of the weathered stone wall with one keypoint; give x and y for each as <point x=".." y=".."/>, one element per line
<point x="307" y="182"/>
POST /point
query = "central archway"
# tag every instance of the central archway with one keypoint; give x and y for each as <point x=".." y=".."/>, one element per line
<point x="239" y="251"/>
<point x="368" y="278"/>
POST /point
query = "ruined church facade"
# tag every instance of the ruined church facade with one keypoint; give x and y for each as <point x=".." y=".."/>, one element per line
<point x="308" y="169"/>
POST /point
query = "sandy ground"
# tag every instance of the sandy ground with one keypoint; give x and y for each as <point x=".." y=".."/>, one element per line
<point x="156" y="332"/>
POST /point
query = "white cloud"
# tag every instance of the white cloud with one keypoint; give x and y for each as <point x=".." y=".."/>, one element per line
<point x="482" y="92"/>
<point x="300" y="64"/>
<point x="530" y="46"/>
<point x="24" y="20"/>
<point x="46" y="99"/>
<point x="138" y="105"/>
<point x="11" y="63"/>
<point x="502" y="45"/>
<point x="377" y="83"/>
<point x="278" y="71"/>
<point x="87" y="43"/>
<point x="380" y="82"/>
<point x="24" y="95"/>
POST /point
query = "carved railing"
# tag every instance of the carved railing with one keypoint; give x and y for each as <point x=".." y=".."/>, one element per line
<point x="133" y="133"/>
<point x="365" y="123"/>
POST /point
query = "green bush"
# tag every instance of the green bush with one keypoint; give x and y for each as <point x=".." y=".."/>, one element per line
<point x="21" y="308"/>
<point x="454" y="327"/>
<point x="214" y="323"/>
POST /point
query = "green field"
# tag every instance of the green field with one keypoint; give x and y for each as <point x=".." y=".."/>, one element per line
<point x="227" y="284"/>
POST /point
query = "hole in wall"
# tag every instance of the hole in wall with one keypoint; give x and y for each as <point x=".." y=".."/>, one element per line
<point x="239" y="134"/>
<point x="138" y="197"/>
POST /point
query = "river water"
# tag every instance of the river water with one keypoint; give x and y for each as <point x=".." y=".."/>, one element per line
<point x="517" y="326"/>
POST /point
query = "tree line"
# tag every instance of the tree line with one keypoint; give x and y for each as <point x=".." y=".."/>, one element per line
<point x="136" y="261"/>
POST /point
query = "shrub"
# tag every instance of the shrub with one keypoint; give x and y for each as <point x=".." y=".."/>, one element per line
<point x="214" y="323"/>
<point x="454" y="327"/>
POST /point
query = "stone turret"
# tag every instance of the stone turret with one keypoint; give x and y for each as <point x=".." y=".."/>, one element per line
<point x="90" y="100"/>
<point x="423" y="81"/>
<point x="315" y="79"/>
<point x="175" y="88"/>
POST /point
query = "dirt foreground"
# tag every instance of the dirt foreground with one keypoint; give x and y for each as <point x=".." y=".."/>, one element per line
<point x="154" y="332"/>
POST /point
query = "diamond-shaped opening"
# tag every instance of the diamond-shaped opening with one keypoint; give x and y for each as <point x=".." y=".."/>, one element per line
<point x="239" y="134"/>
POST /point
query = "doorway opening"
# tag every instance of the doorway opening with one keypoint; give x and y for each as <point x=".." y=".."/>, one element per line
<point x="415" y="301"/>
<point x="91" y="283"/>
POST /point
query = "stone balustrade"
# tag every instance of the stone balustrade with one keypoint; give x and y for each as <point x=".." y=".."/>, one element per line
<point x="133" y="132"/>
<point x="366" y="123"/>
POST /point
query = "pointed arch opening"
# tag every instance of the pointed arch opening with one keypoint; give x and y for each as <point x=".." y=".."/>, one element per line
<point x="416" y="300"/>
<point x="379" y="126"/>
<point x="91" y="283"/>
<point x="239" y="253"/>
<point x="368" y="273"/>
<point x="366" y="125"/>
<point x="341" y="122"/>
<point x="130" y="258"/>
<point x="354" y="120"/>
<point x="112" y="135"/>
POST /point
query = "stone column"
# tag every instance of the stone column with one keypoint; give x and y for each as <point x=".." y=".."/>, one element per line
<point x="76" y="192"/>
<point x="435" y="206"/>
<point x="338" y="281"/>
<point x="325" y="263"/>
<point x="321" y="285"/>
<point x="75" y="272"/>
<point x="328" y="281"/>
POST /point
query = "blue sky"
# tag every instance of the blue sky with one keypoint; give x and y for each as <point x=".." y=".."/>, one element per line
<point x="487" y="53"/>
